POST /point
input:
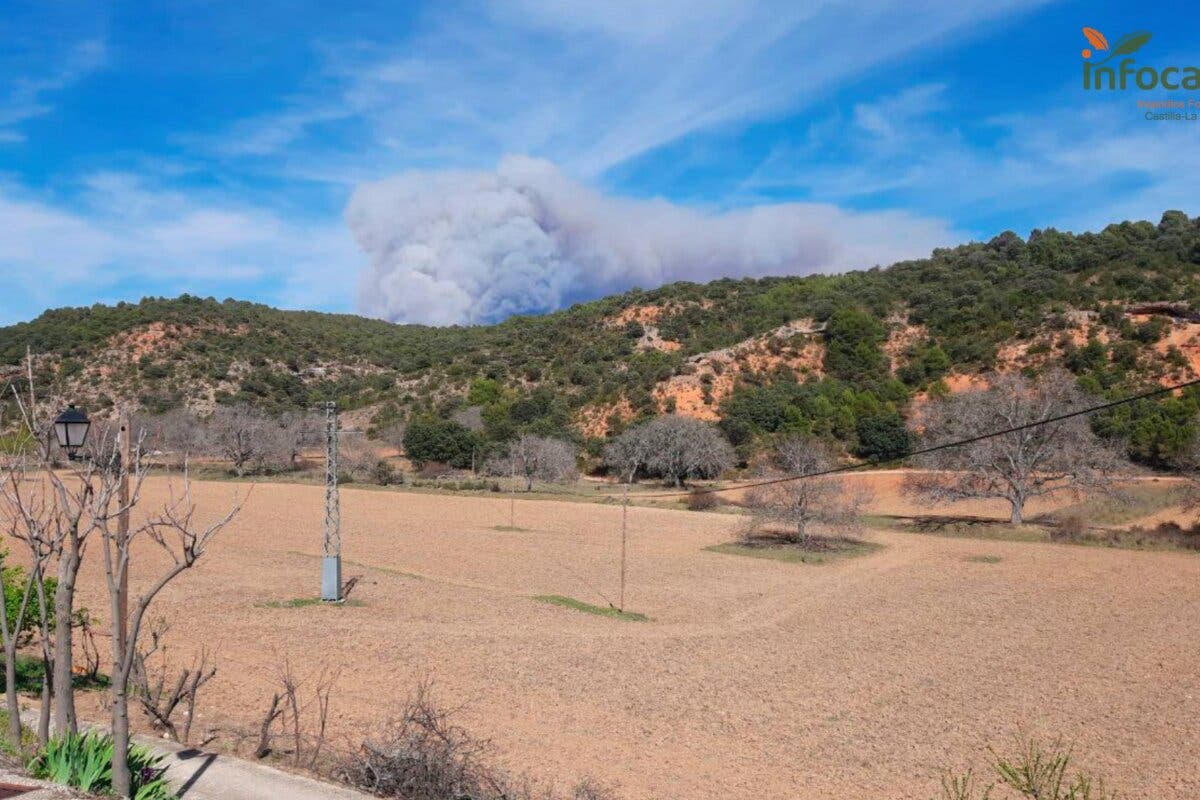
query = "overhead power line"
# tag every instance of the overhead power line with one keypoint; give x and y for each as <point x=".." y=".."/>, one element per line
<point x="933" y="448"/>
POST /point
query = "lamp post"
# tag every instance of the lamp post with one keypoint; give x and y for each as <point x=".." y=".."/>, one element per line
<point x="71" y="429"/>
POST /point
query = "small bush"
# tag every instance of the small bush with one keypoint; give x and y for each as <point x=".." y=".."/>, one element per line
<point x="1071" y="528"/>
<point x="699" y="500"/>
<point x="434" y="469"/>
<point x="423" y="755"/>
<point x="383" y="473"/>
<point x="1034" y="771"/>
<point x="84" y="761"/>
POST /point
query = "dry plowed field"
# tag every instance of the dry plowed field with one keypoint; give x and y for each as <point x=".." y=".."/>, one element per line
<point x="860" y="678"/>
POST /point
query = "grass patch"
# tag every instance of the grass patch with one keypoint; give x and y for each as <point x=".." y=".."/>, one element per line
<point x="1059" y="530"/>
<point x="511" y="529"/>
<point x="959" y="527"/>
<point x="817" y="550"/>
<point x="984" y="559"/>
<point x="305" y="602"/>
<point x="1139" y="500"/>
<point x="588" y="608"/>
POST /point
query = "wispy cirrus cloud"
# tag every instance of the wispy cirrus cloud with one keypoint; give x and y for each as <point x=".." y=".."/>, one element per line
<point x="31" y="95"/>
<point x="587" y="85"/>
<point x="1086" y="162"/>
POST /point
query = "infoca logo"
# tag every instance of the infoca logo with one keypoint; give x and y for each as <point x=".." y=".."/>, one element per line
<point x="1108" y="71"/>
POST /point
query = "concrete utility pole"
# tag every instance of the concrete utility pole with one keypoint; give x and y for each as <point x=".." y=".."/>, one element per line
<point x="331" y="566"/>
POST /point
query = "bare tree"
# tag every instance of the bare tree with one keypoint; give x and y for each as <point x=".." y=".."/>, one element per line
<point x="360" y="458"/>
<point x="628" y="454"/>
<point x="302" y="722"/>
<point x="538" y="458"/>
<point x="297" y="431"/>
<point x="176" y="435"/>
<point x="799" y="505"/>
<point x="57" y="510"/>
<point x="159" y="698"/>
<point x="242" y="435"/>
<point x="31" y="523"/>
<point x="175" y="530"/>
<point x="675" y="448"/>
<point x="1038" y="461"/>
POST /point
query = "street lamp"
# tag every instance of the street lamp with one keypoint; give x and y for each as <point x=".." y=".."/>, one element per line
<point x="71" y="429"/>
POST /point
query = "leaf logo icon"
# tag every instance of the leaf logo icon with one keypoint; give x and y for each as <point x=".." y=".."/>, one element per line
<point x="1126" y="45"/>
<point x="1096" y="38"/>
<point x="1130" y="43"/>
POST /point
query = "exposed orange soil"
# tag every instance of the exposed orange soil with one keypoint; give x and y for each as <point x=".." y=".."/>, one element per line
<point x="901" y="336"/>
<point x="643" y="314"/>
<point x="593" y="420"/>
<point x="1186" y="337"/>
<point x="713" y="375"/>
<point x="755" y="679"/>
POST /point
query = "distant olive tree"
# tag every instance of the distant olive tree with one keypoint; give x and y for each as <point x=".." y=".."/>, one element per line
<point x="674" y="448"/>
<point x="797" y="506"/>
<point x="538" y="458"/>
<point x="241" y="434"/>
<point x="1035" y="462"/>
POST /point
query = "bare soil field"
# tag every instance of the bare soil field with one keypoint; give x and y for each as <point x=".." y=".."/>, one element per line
<point x="860" y="678"/>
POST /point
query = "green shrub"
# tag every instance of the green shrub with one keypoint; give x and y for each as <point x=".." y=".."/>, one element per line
<point x="84" y="761"/>
<point x="883" y="436"/>
<point x="14" y="580"/>
<point x="439" y="440"/>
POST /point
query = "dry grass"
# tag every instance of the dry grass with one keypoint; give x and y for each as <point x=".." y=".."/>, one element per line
<point x="753" y="678"/>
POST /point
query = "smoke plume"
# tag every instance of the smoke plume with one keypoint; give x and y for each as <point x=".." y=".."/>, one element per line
<point x="476" y="247"/>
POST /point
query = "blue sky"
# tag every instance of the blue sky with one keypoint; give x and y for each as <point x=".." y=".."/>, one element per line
<point x="457" y="162"/>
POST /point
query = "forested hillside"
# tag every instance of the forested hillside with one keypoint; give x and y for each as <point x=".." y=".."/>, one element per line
<point x="842" y="356"/>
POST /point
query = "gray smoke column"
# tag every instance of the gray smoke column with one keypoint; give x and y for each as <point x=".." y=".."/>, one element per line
<point x="475" y="247"/>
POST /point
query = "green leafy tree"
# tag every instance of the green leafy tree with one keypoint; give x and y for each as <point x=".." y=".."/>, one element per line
<point x="883" y="436"/>
<point x="440" y="440"/>
<point x="853" y="350"/>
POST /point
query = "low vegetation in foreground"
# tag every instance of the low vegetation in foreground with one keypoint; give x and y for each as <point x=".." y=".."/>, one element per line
<point x="423" y="754"/>
<point x="1034" y="770"/>
<point x="588" y="608"/>
<point x="307" y="602"/>
<point x="813" y="550"/>
<point x="84" y="761"/>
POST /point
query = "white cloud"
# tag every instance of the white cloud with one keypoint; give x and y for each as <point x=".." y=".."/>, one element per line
<point x="472" y="247"/>
<point x="124" y="234"/>
<point x="587" y="85"/>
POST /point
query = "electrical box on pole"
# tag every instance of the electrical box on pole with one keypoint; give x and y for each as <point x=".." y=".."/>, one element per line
<point x="331" y="564"/>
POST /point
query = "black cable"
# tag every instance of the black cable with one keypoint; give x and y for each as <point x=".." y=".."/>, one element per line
<point x="933" y="448"/>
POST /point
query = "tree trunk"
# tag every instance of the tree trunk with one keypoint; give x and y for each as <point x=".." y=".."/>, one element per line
<point x="1018" y="511"/>
<point x="64" y="605"/>
<point x="10" y="693"/>
<point x="43" y="729"/>
<point x="121" y="781"/>
<point x="47" y="699"/>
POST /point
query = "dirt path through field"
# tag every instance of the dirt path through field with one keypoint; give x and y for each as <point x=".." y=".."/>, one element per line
<point x="755" y="679"/>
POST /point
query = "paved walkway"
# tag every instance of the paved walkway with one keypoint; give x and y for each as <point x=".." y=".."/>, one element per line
<point x="209" y="776"/>
<point x="198" y="775"/>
